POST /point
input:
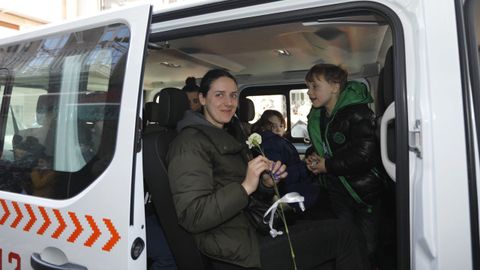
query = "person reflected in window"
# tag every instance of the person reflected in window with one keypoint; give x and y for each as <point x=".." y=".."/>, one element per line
<point x="211" y="179"/>
<point x="30" y="167"/>
<point x="342" y="131"/>
<point x="271" y="126"/>
<point x="43" y="178"/>
<point x="191" y="88"/>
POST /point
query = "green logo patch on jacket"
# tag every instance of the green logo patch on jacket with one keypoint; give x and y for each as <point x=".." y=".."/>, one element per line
<point x="338" y="138"/>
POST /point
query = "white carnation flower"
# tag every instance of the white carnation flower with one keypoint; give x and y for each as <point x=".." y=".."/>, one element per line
<point x="254" y="140"/>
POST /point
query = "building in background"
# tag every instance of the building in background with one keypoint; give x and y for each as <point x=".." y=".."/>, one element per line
<point x="21" y="15"/>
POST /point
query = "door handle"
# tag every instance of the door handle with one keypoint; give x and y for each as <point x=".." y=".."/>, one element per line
<point x="38" y="263"/>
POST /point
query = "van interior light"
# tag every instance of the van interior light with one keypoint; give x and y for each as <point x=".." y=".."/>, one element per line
<point x="283" y="52"/>
<point x="170" y="65"/>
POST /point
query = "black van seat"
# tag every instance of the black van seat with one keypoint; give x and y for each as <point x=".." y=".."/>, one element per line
<point x="246" y="113"/>
<point x="152" y="112"/>
<point x="170" y="109"/>
<point x="385" y="96"/>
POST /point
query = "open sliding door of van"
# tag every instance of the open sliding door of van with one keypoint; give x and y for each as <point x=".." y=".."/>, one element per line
<point x="71" y="196"/>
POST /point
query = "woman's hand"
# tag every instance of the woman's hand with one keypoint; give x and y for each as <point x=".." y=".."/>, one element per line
<point x="255" y="168"/>
<point x="278" y="171"/>
<point x="316" y="164"/>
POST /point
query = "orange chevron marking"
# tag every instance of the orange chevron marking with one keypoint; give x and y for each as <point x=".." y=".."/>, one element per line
<point x="115" y="236"/>
<point x="78" y="228"/>
<point x="46" y="222"/>
<point x="61" y="226"/>
<point x="6" y="213"/>
<point x="32" y="220"/>
<point x="19" y="215"/>
<point x="96" y="232"/>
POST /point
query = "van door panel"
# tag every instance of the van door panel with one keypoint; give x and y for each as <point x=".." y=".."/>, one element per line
<point x="72" y="110"/>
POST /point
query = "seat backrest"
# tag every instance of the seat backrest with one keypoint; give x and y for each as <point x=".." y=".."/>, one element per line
<point x="385" y="96"/>
<point x="385" y="93"/>
<point x="152" y="112"/>
<point x="171" y="106"/>
<point x="246" y="113"/>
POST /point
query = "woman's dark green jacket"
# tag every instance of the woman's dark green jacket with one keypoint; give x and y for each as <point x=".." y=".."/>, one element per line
<point x="206" y="167"/>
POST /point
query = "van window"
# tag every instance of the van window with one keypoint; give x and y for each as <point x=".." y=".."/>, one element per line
<point x="300" y="105"/>
<point x="268" y="102"/>
<point x="61" y="110"/>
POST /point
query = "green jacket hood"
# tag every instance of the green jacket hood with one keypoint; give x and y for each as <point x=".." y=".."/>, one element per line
<point x="225" y="144"/>
<point x="354" y="93"/>
<point x="193" y="118"/>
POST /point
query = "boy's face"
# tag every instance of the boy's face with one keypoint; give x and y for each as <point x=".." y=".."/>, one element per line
<point x="322" y="93"/>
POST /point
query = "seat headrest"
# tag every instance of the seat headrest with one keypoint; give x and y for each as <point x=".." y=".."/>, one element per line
<point x="246" y="110"/>
<point x="385" y="93"/>
<point x="172" y="104"/>
<point x="152" y="112"/>
<point x="47" y="103"/>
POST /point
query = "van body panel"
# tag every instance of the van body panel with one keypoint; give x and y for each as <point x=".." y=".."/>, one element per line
<point x="434" y="98"/>
<point x="91" y="229"/>
<point x="438" y="194"/>
<point x="440" y="225"/>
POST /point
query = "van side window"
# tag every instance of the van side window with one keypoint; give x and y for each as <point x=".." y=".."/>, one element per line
<point x="268" y="102"/>
<point x="300" y="105"/>
<point x="60" y="110"/>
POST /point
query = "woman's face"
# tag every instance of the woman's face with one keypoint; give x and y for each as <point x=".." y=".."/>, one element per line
<point x="322" y="93"/>
<point x="277" y="125"/>
<point x="221" y="101"/>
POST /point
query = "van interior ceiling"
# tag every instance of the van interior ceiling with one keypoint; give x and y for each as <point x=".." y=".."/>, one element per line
<point x="281" y="52"/>
<point x="273" y="60"/>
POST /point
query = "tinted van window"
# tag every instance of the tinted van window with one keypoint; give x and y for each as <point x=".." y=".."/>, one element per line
<point x="60" y="109"/>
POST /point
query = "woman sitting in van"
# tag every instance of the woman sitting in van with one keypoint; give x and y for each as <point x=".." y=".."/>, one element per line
<point x="211" y="178"/>
<point x="271" y="126"/>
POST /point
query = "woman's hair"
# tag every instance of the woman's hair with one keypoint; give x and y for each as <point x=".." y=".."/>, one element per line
<point x="264" y="124"/>
<point x="331" y="73"/>
<point x="211" y="76"/>
<point x="190" y="85"/>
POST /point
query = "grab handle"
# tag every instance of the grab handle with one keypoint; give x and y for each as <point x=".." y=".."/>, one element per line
<point x="387" y="117"/>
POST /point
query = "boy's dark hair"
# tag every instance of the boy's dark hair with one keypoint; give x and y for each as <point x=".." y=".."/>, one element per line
<point x="331" y="73"/>
<point x="190" y="85"/>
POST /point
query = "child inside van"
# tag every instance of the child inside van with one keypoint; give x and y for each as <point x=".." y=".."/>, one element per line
<point x="342" y="131"/>
<point x="212" y="178"/>
<point x="271" y="126"/>
<point x="191" y="88"/>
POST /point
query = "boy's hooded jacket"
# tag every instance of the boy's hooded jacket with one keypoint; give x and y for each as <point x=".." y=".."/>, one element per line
<point x="347" y="140"/>
<point x="208" y="195"/>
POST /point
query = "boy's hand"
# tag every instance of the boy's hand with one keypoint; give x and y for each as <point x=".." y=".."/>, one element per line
<point x="316" y="164"/>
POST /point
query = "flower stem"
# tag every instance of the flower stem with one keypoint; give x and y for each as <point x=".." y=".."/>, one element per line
<point x="292" y="253"/>
<point x="282" y="216"/>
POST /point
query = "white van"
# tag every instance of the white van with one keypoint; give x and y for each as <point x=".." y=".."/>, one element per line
<point x="73" y="196"/>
